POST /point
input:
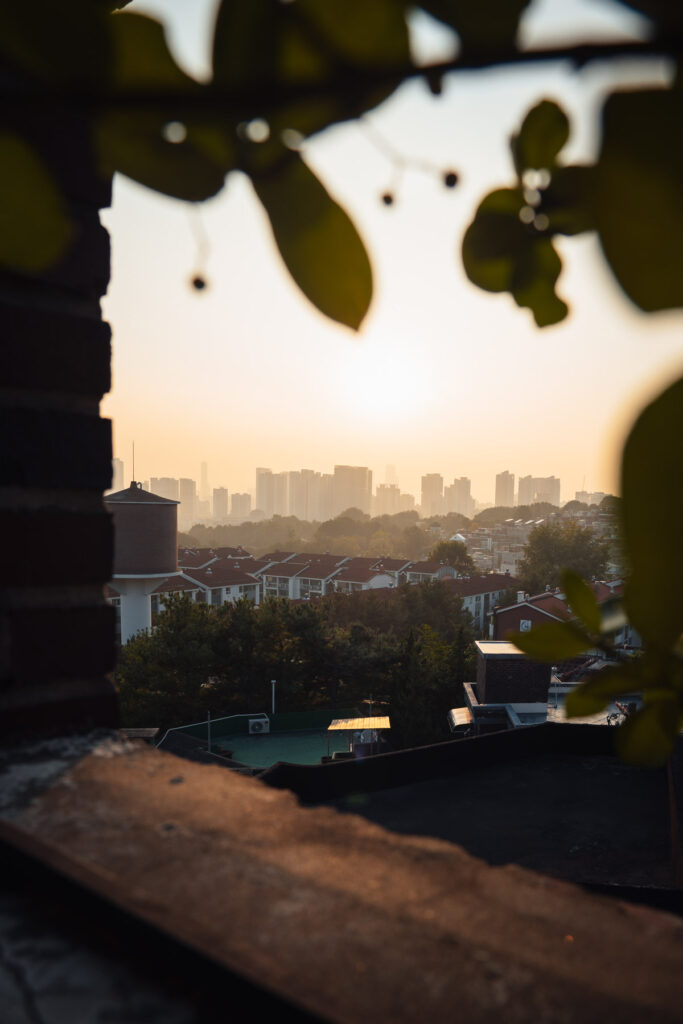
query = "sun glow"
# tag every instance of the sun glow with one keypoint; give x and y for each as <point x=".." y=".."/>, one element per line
<point x="385" y="381"/>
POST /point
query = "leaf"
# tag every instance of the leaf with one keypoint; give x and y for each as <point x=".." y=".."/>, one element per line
<point x="544" y="132"/>
<point x="483" y="24"/>
<point x="553" y="641"/>
<point x="648" y="736"/>
<point x="35" y="228"/>
<point x="568" y="200"/>
<point x="639" y="195"/>
<point x="134" y="139"/>
<point x="581" y="599"/>
<point x="271" y="47"/>
<point x="653" y="537"/>
<point x="500" y="253"/>
<point x="595" y="693"/>
<point x="320" y="246"/>
<point x="58" y="43"/>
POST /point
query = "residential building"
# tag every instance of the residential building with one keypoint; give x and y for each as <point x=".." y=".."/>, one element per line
<point x="240" y="506"/>
<point x="187" y="492"/>
<point x="538" y="488"/>
<point x="480" y="594"/>
<point x="220" y="503"/>
<point x="165" y="487"/>
<point x="263" y="494"/>
<point x="431" y="494"/>
<point x="117" y="475"/>
<point x="458" y="497"/>
<point x="387" y="500"/>
<point x="351" y="488"/>
<point x="505" y="490"/>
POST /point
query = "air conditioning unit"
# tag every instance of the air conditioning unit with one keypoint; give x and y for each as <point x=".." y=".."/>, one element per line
<point x="258" y="725"/>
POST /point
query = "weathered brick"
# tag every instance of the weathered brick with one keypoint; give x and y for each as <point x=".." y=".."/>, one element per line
<point x="56" y="547"/>
<point x="55" y="449"/>
<point x="50" y="351"/>
<point x="61" y="643"/>
<point x="58" y="709"/>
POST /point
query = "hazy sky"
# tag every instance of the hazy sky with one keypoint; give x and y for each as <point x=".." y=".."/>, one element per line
<point x="442" y="377"/>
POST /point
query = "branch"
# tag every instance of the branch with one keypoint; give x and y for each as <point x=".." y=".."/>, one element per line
<point x="344" y="82"/>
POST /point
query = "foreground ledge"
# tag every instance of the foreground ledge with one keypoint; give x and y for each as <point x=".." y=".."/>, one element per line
<point x="327" y="912"/>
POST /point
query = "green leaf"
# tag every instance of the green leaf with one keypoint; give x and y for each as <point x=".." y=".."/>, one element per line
<point x="568" y="201"/>
<point x="62" y="44"/>
<point x="639" y="195"/>
<point x="272" y="47"/>
<point x="581" y="598"/>
<point x="134" y="139"/>
<point x="648" y="736"/>
<point x="553" y="641"/>
<point x="544" y="132"/>
<point x="653" y="540"/>
<point x="601" y="688"/>
<point x="320" y="246"/>
<point x="35" y="228"/>
<point x="500" y="253"/>
<point x="481" y="24"/>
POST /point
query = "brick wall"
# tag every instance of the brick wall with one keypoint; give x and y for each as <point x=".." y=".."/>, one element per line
<point x="56" y="631"/>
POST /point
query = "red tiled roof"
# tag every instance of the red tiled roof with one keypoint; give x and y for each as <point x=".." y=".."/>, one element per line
<point x="391" y="564"/>
<point x="467" y="586"/>
<point x="358" y="574"/>
<point x="174" y="584"/>
<point x="321" y="571"/>
<point x="195" y="558"/>
<point x="110" y="591"/>
<point x="285" y="569"/>
<point x="221" y="574"/>
<point x="427" y="567"/>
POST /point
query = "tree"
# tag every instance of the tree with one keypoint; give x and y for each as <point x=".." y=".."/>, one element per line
<point x="455" y="554"/>
<point x="553" y="547"/>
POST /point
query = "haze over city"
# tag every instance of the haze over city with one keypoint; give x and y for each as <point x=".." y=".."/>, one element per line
<point x="442" y="378"/>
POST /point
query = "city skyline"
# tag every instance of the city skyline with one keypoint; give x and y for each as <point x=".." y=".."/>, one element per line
<point x="313" y="495"/>
<point x="442" y="377"/>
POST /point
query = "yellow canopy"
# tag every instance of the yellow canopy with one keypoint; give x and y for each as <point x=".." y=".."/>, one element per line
<point x="355" y="724"/>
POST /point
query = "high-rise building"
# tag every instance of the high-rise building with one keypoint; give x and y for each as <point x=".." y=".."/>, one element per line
<point x="165" y="487"/>
<point x="458" y="497"/>
<point x="117" y="475"/>
<point x="351" y="488"/>
<point x="431" y="495"/>
<point x="505" y="490"/>
<point x="387" y="500"/>
<point x="220" y="503"/>
<point x="390" y="475"/>
<point x="263" y="495"/>
<point x="240" y="506"/>
<point x="280" y="494"/>
<point x="187" y="492"/>
<point x="304" y="494"/>
<point x="538" y="488"/>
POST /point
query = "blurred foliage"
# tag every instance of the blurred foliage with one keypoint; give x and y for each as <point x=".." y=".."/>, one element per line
<point x="454" y="553"/>
<point x="284" y="71"/>
<point x="411" y="648"/>
<point x="653" y="546"/>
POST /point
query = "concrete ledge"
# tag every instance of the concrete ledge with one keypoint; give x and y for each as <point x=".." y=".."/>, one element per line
<point x="332" y="913"/>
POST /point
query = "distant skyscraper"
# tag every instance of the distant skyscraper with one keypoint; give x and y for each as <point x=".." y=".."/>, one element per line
<point x="352" y="488"/>
<point x="280" y="494"/>
<point x="187" y="492"/>
<point x="431" y="496"/>
<point x="538" y="488"/>
<point x="240" y="506"/>
<point x="458" y="497"/>
<point x="390" y="476"/>
<point x="387" y="500"/>
<point x="505" y="490"/>
<point x="165" y="487"/>
<point x="220" y="503"/>
<point x="264" y="491"/>
<point x="117" y="475"/>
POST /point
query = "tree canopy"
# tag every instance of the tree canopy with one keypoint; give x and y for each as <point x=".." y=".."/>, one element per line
<point x="455" y="554"/>
<point x="553" y="547"/>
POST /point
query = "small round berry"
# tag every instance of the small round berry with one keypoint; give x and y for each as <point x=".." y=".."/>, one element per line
<point x="198" y="283"/>
<point x="450" y="179"/>
<point x="387" y="198"/>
